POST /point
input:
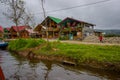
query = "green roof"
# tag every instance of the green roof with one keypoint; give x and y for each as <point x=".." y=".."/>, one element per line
<point x="57" y="20"/>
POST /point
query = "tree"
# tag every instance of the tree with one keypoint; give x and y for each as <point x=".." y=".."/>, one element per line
<point x="16" y="12"/>
<point x="28" y="19"/>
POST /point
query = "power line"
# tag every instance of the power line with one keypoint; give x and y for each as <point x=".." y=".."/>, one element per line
<point x="79" y="6"/>
<point x="98" y="2"/>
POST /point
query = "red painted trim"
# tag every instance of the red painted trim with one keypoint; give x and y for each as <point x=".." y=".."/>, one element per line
<point x="2" y="77"/>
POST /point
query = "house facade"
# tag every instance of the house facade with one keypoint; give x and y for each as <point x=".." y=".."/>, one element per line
<point x="19" y="31"/>
<point x="49" y="26"/>
<point x="98" y="33"/>
<point x="75" y="29"/>
<point x="69" y="28"/>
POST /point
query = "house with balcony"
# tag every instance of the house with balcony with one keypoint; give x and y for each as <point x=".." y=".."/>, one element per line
<point x="73" y="29"/>
<point x="49" y="26"/>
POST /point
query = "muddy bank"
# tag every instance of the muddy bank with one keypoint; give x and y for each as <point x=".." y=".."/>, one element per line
<point x="31" y="55"/>
<point x="107" y="66"/>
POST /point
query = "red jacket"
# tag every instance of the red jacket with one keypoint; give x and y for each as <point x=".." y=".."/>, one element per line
<point x="100" y="38"/>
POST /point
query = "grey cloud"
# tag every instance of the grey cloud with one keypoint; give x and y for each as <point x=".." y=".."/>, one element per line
<point x="104" y="15"/>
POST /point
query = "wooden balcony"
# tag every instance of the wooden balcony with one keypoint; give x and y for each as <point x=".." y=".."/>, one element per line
<point x="53" y="29"/>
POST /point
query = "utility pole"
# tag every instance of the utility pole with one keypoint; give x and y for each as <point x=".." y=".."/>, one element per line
<point x="44" y="13"/>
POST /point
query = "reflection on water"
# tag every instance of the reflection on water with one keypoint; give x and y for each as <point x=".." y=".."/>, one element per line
<point x="19" y="68"/>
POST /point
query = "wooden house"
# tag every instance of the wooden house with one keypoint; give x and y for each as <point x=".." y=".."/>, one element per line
<point x="49" y="26"/>
<point x="1" y="32"/>
<point x="26" y="33"/>
<point x="19" y="31"/>
<point x="75" y="29"/>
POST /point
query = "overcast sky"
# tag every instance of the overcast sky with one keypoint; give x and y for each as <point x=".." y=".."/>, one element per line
<point x="105" y="15"/>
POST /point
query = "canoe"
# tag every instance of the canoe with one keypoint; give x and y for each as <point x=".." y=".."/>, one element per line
<point x="2" y="77"/>
<point x="3" y="45"/>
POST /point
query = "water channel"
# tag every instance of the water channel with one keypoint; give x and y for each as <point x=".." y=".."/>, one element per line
<point x="19" y="68"/>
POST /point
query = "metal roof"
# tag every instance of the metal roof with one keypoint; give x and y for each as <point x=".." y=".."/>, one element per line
<point x="57" y="20"/>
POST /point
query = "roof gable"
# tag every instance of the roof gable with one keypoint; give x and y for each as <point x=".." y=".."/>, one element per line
<point x="18" y="28"/>
<point x="57" y="20"/>
<point x="38" y="27"/>
<point x="71" y="19"/>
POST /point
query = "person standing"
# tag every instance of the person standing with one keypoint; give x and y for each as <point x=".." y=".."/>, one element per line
<point x="101" y="38"/>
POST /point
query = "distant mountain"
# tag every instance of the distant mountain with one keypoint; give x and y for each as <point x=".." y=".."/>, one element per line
<point x="112" y="31"/>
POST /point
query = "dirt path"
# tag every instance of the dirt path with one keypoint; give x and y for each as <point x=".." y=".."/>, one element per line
<point x="80" y="42"/>
<point x="77" y="42"/>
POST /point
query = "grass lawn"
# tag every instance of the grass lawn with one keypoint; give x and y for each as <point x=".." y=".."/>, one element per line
<point x="23" y="44"/>
<point x="79" y="52"/>
<point x="82" y="52"/>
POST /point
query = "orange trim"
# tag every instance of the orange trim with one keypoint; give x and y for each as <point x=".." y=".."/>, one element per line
<point x="2" y="77"/>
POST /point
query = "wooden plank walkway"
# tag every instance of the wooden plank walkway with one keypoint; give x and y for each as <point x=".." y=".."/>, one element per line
<point x="69" y="63"/>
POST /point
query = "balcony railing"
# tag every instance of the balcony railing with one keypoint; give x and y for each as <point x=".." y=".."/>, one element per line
<point x="72" y="29"/>
<point x="53" y="29"/>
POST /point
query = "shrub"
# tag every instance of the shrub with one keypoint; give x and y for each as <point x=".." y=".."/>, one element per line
<point x="24" y="43"/>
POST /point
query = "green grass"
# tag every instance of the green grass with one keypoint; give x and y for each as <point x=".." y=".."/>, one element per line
<point x="22" y="44"/>
<point x="79" y="52"/>
<point x="82" y="52"/>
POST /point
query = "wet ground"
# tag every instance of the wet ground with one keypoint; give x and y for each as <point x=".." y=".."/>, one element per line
<point x="19" y="68"/>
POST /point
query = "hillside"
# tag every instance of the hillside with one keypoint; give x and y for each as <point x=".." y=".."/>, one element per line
<point x="112" y="31"/>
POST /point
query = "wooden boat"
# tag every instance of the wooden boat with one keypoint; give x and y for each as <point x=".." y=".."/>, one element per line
<point x="2" y="77"/>
<point x="3" y="44"/>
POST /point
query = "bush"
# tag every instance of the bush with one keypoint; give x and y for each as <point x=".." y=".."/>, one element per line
<point x="17" y="44"/>
<point x="33" y="43"/>
<point x="47" y="47"/>
<point x="24" y="43"/>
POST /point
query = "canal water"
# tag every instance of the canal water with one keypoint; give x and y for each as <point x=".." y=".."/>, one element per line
<point x="18" y="68"/>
